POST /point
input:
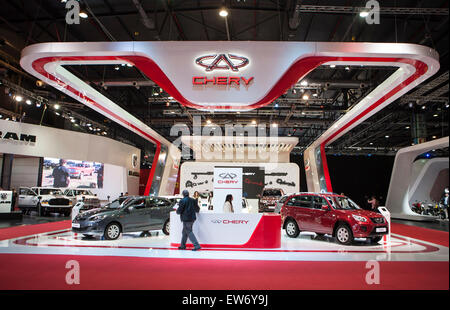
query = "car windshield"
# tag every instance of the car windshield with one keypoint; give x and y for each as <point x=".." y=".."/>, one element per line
<point x="342" y="203"/>
<point x="272" y="192"/>
<point x="50" y="191"/>
<point x="115" y="204"/>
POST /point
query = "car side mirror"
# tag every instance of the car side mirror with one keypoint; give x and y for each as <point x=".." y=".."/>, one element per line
<point x="325" y="208"/>
<point x="39" y="197"/>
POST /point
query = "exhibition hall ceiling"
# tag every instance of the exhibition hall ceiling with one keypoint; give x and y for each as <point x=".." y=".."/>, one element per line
<point x="304" y="111"/>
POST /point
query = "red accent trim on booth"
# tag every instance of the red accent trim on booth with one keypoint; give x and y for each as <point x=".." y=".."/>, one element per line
<point x="325" y="168"/>
<point x="267" y="235"/>
<point x="421" y="69"/>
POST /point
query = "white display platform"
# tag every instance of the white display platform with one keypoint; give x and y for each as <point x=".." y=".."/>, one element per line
<point x="237" y="230"/>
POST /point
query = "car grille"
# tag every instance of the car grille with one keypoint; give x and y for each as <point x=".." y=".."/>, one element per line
<point x="58" y="202"/>
<point x="377" y="220"/>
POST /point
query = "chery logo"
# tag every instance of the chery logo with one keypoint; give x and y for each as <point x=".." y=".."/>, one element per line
<point x="222" y="62"/>
<point x="229" y="221"/>
<point x="227" y="178"/>
<point x="227" y="175"/>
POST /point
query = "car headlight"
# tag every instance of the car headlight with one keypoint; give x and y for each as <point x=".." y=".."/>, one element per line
<point x="98" y="217"/>
<point x="359" y="218"/>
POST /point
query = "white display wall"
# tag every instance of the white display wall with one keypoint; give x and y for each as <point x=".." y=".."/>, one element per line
<point x="198" y="176"/>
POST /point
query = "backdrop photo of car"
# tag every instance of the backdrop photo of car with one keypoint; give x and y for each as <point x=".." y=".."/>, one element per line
<point x="82" y="174"/>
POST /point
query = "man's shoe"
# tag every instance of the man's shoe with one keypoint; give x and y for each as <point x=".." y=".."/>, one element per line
<point x="181" y="248"/>
<point x="196" y="248"/>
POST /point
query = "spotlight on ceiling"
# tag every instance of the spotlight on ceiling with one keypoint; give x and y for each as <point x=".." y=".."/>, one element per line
<point x="304" y="83"/>
<point x="305" y="97"/>
<point x="18" y="98"/>
<point x="223" y="13"/>
<point x="28" y="101"/>
<point x="363" y="14"/>
<point x="83" y="14"/>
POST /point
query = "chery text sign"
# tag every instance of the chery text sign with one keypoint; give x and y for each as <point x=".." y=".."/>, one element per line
<point x="222" y="62"/>
<point x="227" y="181"/>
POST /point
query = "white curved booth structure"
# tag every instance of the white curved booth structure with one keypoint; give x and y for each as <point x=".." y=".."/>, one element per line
<point x="408" y="184"/>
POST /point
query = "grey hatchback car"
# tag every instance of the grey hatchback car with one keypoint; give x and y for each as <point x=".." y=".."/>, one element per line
<point x="134" y="214"/>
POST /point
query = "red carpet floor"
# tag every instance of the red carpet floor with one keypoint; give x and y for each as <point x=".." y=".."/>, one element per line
<point x="48" y="272"/>
<point x="27" y="230"/>
<point x="29" y="271"/>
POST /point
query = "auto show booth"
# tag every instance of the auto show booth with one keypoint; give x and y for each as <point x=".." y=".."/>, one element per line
<point x="31" y="152"/>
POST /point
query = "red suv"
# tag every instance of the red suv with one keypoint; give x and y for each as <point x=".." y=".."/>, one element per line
<point x="331" y="214"/>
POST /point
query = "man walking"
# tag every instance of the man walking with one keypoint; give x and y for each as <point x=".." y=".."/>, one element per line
<point x="187" y="207"/>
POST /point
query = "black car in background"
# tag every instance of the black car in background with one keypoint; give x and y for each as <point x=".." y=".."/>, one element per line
<point x="134" y="214"/>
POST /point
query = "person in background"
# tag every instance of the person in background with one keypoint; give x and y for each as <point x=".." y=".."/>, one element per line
<point x="374" y="203"/>
<point x="100" y="177"/>
<point x="444" y="200"/>
<point x="196" y="196"/>
<point x="60" y="174"/>
<point x="14" y="199"/>
<point x="228" y="205"/>
<point x="187" y="209"/>
<point x="210" y="201"/>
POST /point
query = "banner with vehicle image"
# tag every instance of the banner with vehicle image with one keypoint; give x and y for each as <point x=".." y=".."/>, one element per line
<point x="63" y="173"/>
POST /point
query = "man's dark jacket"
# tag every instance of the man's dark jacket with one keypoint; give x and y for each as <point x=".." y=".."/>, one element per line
<point x="187" y="207"/>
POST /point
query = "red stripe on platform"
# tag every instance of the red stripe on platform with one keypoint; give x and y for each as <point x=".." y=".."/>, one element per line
<point x="27" y="230"/>
<point x="425" y="234"/>
<point x="48" y="272"/>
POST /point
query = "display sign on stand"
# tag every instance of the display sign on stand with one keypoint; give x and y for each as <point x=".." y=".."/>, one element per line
<point x="387" y="216"/>
<point x="5" y="201"/>
<point x="227" y="181"/>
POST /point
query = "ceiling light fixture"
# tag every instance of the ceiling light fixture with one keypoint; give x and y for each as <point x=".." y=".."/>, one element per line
<point x="363" y="14"/>
<point x="83" y="14"/>
<point x="223" y="13"/>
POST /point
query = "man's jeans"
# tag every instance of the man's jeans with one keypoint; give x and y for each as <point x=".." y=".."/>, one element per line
<point x="187" y="232"/>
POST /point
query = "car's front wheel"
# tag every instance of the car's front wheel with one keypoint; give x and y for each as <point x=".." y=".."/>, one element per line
<point x="344" y="234"/>
<point x="112" y="231"/>
<point x="166" y="227"/>
<point x="292" y="229"/>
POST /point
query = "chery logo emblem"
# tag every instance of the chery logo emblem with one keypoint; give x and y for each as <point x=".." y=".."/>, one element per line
<point x="227" y="175"/>
<point x="222" y="62"/>
<point x="229" y="221"/>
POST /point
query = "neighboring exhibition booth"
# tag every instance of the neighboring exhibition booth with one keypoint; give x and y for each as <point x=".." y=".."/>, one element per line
<point x="417" y="180"/>
<point x="35" y="151"/>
